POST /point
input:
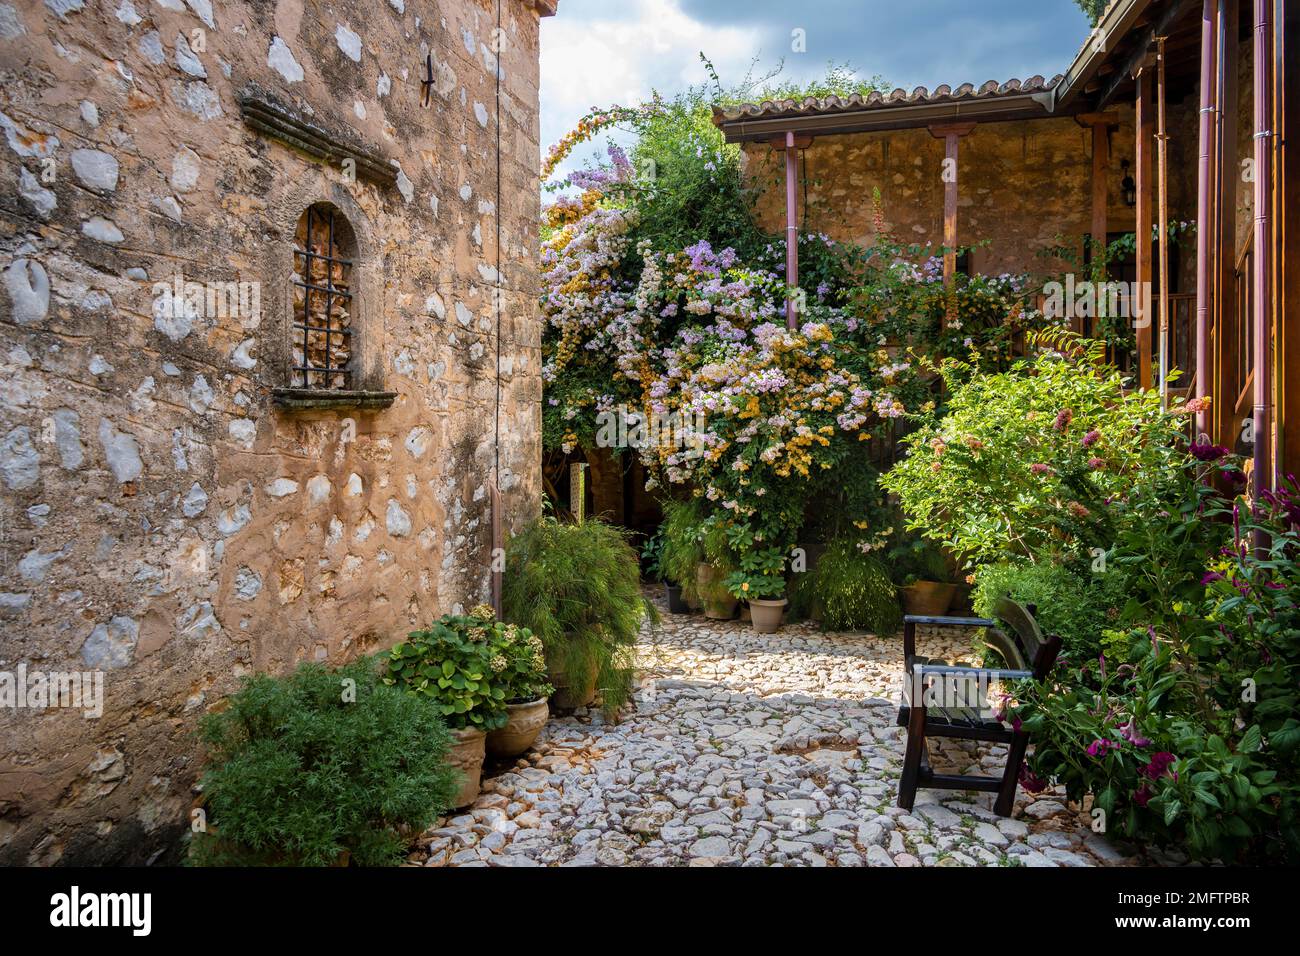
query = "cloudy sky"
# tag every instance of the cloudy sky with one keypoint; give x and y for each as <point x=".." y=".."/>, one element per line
<point x="600" y="52"/>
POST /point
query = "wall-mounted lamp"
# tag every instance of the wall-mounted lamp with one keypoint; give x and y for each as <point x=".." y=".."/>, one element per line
<point x="1127" y="187"/>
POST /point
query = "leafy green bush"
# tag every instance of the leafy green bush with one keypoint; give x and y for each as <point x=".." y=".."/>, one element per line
<point x="682" y="549"/>
<point x="450" y="665"/>
<point x="305" y="767"/>
<point x="851" y="590"/>
<point x="1075" y="610"/>
<point x="578" y="588"/>
<point x="1186" y="733"/>
<point x="1026" y="463"/>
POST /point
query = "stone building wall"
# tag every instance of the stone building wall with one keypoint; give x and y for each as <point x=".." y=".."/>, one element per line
<point x="164" y="520"/>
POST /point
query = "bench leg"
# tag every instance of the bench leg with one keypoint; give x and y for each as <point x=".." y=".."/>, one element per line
<point x="912" y="756"/>
<point x="1011" y="775"/>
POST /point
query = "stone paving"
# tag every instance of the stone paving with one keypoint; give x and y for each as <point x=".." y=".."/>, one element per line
<point x="752" y="749"/>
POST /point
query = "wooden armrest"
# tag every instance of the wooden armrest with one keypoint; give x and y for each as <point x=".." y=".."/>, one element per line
<point x="949" y="621"/>
<point x="951" y="670"/>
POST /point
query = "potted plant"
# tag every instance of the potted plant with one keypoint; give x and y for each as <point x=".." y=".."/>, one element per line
<point x="578" y="588"/>
<point x="652" y="556"/>
<point x="681" y="553"/>
<point x="924" y="579"/>
<point x="450" y="665"/>
<point x="760" y="583"/>
<point x="519" y="662"/>
<point x="318" y="768"/>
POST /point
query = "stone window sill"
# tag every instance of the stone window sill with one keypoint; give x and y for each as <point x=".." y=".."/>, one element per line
<point x="325" y="398"/>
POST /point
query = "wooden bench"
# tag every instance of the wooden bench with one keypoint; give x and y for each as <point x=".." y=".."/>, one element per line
<point x="943" y="700"/>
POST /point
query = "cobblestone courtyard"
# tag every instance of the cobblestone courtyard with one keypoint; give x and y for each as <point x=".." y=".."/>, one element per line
<point x="752" y="749"/>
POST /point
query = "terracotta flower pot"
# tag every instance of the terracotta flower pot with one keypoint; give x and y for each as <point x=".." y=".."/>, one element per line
<point x="744" y="612"/>
<point x="525" y="722"/>
<point x="568" y="696"/>
<point x="766" y="614"/>
<point x="928" y="598"/>
<point x="466" y="755"/>
<point x="717" y="608"/>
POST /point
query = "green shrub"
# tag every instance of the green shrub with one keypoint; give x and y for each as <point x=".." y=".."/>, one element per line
<point x="851" y="590"/>
<point x="304" y="767"/>
<point x="682" y="548"/>
<point x="1077" y="611"/>
<point x="578" y="588"/>
<point x="450" y="665"/>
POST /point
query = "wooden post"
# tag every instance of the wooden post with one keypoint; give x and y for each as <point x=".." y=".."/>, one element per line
<point x="1146" y="127"/>
<point x="1263" y="277"/>
<point x="1162" y="219"/>
<point x="1226" y="321"/>
<point x="789" y="144"/>
<point x="1205" y="210"/>
<point x="578" y="489"/>
<point x="1287" y="109"/>
<point x="950" y="133"/>
<point x="1101" y="124"/>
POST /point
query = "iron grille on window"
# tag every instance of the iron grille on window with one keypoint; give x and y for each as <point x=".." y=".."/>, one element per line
<point x="322" y="300"/>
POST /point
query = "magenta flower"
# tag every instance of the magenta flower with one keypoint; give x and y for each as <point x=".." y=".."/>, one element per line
<point x="1063" y="419"/>
<point x="1143" y="795"/>
<point x="1204" y="451"/>
<point x="1031" y="781"/>
<point x="1038" y="468"/>
<point x="1091" y="438"/>
<point x="1211" y="576"/>
<point x="1096" y="464"/>
<point x="1099" y="747"/>
<point x="1159" y="766"/>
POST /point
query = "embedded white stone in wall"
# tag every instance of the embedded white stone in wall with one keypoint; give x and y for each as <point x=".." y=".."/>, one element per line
<point x="318" y="489"/>
<point x="42" y="200"/>
<point x="169" y="207"/>
<point x="25" y="144"/>
<point x="404" y="186"/>
<point x="353" y="486"/>
<point x="466" y="191"/>
<point x="434" y="305"/>
<point x="359" y="109"/>
<point x="151" y="48"/>
<point x="397" y="520"/>
<point x="248" y="584"/>
<point x="201" y="395"/>
<point x="67" y="439"/>
<point x="11" y="27"/>
<point x="186" y="59"/>
<point x="481" y="114"/>
<point x="467" y="38"/>
<point x="463" y="315"/>
<point x="282" y="487"/>
<point x="89" y="113"/>
<point x="243" y="431"/>
<point x="185" y="170"/>
<point x="398" y="5"/>
<point x="121" y="451"/>
<point x="203" y="10"/>
<point x="280" y="58"/>
<point x="383" y="86"/>
<point x="173" y="315"/>
<point x="240" y="357"/>
<point x="487" y="273"/>
<point x="29" y="291"/>
<point x="195" y="501"/>
<point x="348" y="42"/>
<point x="233" y="519"/>
<point x="19" y="463"/>
<point x="418" y="441"/>
<point x="111" y="645"/>
<point x="96" y="169"/>
<point x="198" y="621"/>
<point x="126" y="13"/>
<point x="105" y="230"/>
<point x="98" y="365"/>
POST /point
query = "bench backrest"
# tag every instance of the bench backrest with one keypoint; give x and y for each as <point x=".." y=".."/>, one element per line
<point x="1020" y="641"/>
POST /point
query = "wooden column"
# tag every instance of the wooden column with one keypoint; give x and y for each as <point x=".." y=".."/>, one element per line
<point x="1264" y="139"/>
<point x="789" y="144"/>
<point x="950" y="133"/>
<point x="1205" y="207"/>
<point x="1145" y="162"/>
<point x="1100" y="124"/>
<point x="1223" y="413"/>
<point x="1288" y="252"/>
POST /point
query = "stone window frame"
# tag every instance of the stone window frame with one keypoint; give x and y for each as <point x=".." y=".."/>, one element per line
<point x="366" y="367"/>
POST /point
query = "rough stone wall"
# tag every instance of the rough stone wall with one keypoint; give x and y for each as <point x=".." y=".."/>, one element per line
<point x="1021" y="186"/>
<point x="163" y="520"/>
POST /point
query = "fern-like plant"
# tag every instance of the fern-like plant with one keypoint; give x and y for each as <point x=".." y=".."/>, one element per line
<point x="682" y="548"/>
<point x="851" y="590"/>
<point x="578" y="588"/>
<point x="306" y="767"/>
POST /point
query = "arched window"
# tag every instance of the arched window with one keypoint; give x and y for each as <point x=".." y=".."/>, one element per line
<point x="323" y="282"/>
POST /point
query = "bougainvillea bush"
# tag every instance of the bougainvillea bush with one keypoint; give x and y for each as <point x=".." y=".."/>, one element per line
<point x="664" y="301"/>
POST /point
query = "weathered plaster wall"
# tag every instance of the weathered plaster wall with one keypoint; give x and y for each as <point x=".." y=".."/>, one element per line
<point x="162" y="520"/>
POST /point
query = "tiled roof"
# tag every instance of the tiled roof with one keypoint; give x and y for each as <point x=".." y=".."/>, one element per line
<point x="920" y="96"/>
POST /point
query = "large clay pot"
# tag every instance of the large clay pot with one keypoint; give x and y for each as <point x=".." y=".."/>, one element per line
<point x="765" y="615"/>
<point x="525" y="722"/>
<point x="928" y="598"/>
<point x="567" y="696"/>
<point x="676" y="604"/>
<point x="466" y="755"/>
<point x="717" y="608"/>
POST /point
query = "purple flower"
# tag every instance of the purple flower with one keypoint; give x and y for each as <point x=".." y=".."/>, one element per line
<point x="1211" y="576"/>
<point x="1099" y="747"/>
<point x="1158" y="766"/>
<point x="1091" y="438"/>
<point x="1204" y="451"/>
